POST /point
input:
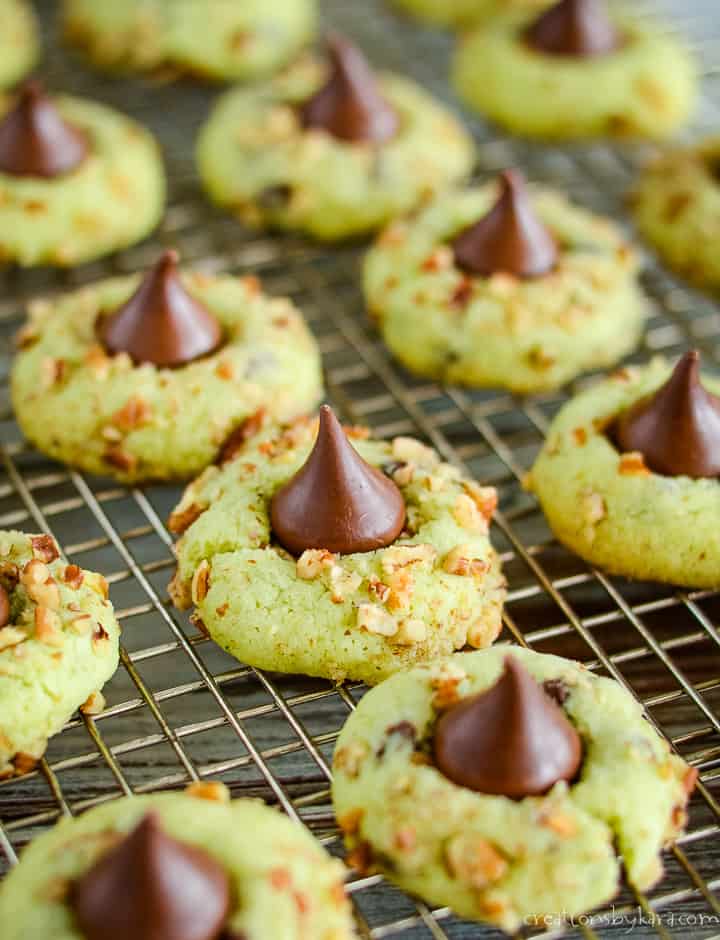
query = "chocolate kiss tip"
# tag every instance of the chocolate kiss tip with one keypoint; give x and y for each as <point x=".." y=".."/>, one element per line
<point x="336" y="501"/>
<point x="350" y="106"/>
<point x="150" y="886"/>
<point x="510" y="740"/>
<point x="676" y="429"/>
<point x="35" y="140"/>
<point x="4" y="607"/>
<point x="162" y="323"/>
<point x="580" y="28"/>
<point x="510" y="238"/>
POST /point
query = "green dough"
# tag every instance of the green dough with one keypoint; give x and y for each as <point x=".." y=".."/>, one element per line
<point x="462" y="13"/>
<point x="492" y="858"/>
<point x="677" y="208"/>
<point x="57" y="650"/>
<point x="284" y="884"/>
<point x="647" y="88"/>
<point x="113" y="199"/>
<point x="361" y="616"/>
<point x="19" y="43"/>
<point x="609" y="508"/>
<point x="256" y="159"/>
<point x="215" y="39"/>
<point x="525" y="335"/>
<point x="139" y="422"/>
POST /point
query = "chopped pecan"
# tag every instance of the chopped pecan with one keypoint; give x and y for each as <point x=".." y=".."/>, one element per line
<point x="94" y="704"/>
<point x="47" y="627"/>
<point x="73" y="576"/>
<point x="44" y="548"/>
<point x="350" y="822"/>
<point x="375" y="620"/>
<point x="313" y="562"/>
<point x="200" y="582"/>
<point x="243" y="432"/>
<point x="213" y="790"/>
<point x="410" y="632"/>
<point x="183" y="517"/>
<point x="134" y="414"/>
<point x="633" y="464"/>
<point x="474" y="860"/>
<point x="100" y="637"/>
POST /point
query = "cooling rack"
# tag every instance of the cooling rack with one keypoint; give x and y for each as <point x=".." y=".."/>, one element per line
<point x="179" y="709"/>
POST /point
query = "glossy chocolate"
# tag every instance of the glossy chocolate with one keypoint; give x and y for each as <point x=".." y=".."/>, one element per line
<point x="350" y="105"/>
<point x="577" y="28"/>
<point x="161" y="323"/>
<point x="510" y="238"/>
<point x="4" y="607"/>
<point x="35" y="140"/>
<point x="151" y="887"/>
<point x="510" y="740"/>
<point x="336" y="500"/>
<point x="677" y="428"/>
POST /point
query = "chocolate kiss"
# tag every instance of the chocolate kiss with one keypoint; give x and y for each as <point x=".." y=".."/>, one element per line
<point x="677" y="428"/>
<point x="510" y="238"/>
<point x="151" y="887"/>
<point x="4" y="607"/>
<point x="511" y="740"/>
<point x="162" y="323"/>
<point x="580" y="28"/>
<point x="35" y="140"/>
<point x="350" y="106"/>
<point x="336" y="500"/>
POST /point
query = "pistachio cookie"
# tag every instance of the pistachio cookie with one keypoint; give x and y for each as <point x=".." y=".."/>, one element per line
<point x="513" y="289"/>
<point x="329" y="150"/>
<point x="676" y="205"/>
<point x="146" y="379"/>
<point x="19" y="43"/>
<point x="308" y="554"/>
<point x="440" y="783"/>
<point x="216" y="39"/>
<point x="461" y="13"/>
<point x="576" y="71"/>
<point x="629" y="474"/>
<point x="58" y="645"/>
<point x="186" y="866"/>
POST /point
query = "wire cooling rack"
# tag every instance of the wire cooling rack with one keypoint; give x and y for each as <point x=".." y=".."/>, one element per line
<point x="179" y="709"/>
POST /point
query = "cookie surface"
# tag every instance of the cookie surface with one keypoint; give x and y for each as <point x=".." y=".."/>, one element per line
<point x="525" y="335"/>
<point x="461" y="12"/>
<point x="59" y="647"/>
<point x="490" y="857"/>
<point x="676" y="205"/>
<point x="113" y="199"/>
<point x="19" y="43"/>
<point x="217" y="39"/>
<point x="609" y="508"/>
<point x="647" y="88"/>
<point x="136" y="422"/>
<point x="256" y="159"/>
<point x="283" y="881"/>
<point x="361" y="616"/>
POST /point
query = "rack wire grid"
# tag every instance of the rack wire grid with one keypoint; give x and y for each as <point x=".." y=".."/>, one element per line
<point x="179" y="709"/>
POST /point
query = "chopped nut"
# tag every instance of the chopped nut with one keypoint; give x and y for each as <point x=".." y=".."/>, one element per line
<point x="134" y="414"/>
<point x="9" y="574"/>
<point x="565" y="826"/>
<point x="580" y="436"/>
<point x="361" y="858"/>
<point x="378" y="589"/>
<point x="440" y="260"/>
<point x="122" y="459"/>
<point x="401" y="589"/>
<point x="94" y="704"/>
<point x="224" y="370"/>
<point x="400" y="556"/>
<point x="474" y="861"/>
<point x="633" y="464"/>
<point x="350" y="758"/>
<point x="47" y="627"/>
<point x="33" y="574"/>
<point x="460" y="561"/>
<point x="313" y="562"/>
<point x="52" y="372"/>
<point x="374" y="619"/>
<point x="24" y="763"/>
<point x="100" y="637"/>
<point x="410" y="631"/>
<point x="404" y="839"/>
<point x="44" y="548"/>
<point x="242" y="433"/>
<point x="444" y="681"/>
<point x="350" y="821"/>
<point x="73" y="576"/>
<point x="184" y="516"/>
<point x="404" y="474"/>
<point x="82" y="624"/>
<point x="213" y="790"/>
<point x="11" y="636"/>
<point x="200" y="582"/>
<point x="342" y="583"/>
<point x="484" y="630"/>
<point x="410" y="450"/>
<point x="98" y="362"/>
<point x="468" y="516"/>
<point x="484" y="497"/>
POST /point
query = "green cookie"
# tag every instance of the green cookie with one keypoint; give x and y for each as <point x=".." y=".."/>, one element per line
<point x="113" y="199"/>
<point x="525" y="335"/>
<point x="284" y="884"/>
<point x="216" y="39"/>
<point x="461" y="13"/>
<point x="609" y="508"/>
<point x="58" y="648"/>
<point x="256" y="159"/>
<point x="677" y="208"/>
<point x="19" y="42"/>
<point x="647" y="88"/>
<point x="108" y="416"/>
<point x="361" y="616"/>
<point x="491" y="858"/>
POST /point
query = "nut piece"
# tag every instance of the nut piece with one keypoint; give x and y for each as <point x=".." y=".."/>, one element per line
<point x="400" y="556"/>
<point x="468" y="516"/>
<point x="444" y="681"/>
<point x="374" y="619"/>
<point x="410" y="450"/>
<point x="94" y="704"/>
<point x="342" y="583"/>
<point x="47" y="626"/>
<point x="73" y="576"/>
<point x="213" y="790"/>
<point x="633" y="464"/>
<point x="410" y="632"/>
<point x="474" y="861"/>
<point x="460" y="561"/>
<point x="313" y="562"/>
<point x="11" y="636"/>
<point x="44" y="548"/>
<point x="200" y="582"/>
<point x="350" y="758"/>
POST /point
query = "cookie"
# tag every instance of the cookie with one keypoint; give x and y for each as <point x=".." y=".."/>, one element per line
<point x="676" y="204"/>
<point x="93" y="406"/>
<point x="361" y="615"/>
<point x="217" y="39"/>
<point x="78" y="180"/>
<point x="460" y="13"/>
<point x="525" y="333"/>
<point x="509" y="861"/>
<point x="58" y="645"/>
<point x="646" y="86"/>
<point x="19" y="45"/>
<point x="257" y="157"/>
<point x="609" y="506"/>
<point x="280" y="882"/>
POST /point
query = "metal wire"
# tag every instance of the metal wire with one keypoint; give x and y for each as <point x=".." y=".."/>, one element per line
<point x="181" y="710"/>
